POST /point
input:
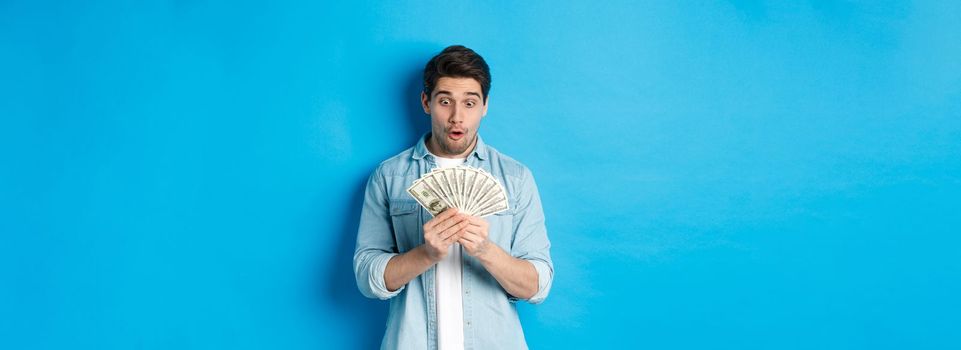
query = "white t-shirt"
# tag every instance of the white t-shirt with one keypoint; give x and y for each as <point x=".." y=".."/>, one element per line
<point x="450" y="302"/>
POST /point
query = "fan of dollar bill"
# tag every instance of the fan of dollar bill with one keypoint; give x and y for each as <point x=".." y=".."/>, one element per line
<point x="471" y="190"/>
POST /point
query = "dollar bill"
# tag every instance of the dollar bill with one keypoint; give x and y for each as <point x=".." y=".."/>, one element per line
<point x="427" y="198"/>
<point x="473" y="191"/>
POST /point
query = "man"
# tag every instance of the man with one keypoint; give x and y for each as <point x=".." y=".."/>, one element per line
<point x="452" y="280"/>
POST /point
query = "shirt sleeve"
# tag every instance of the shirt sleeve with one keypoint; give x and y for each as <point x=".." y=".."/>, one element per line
<point x="375" y="241"/>
<point x="530" y="236"/>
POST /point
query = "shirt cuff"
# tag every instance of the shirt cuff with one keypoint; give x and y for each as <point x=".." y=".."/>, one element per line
<point x="377" y="284"/>
<point x="545" y="276"/>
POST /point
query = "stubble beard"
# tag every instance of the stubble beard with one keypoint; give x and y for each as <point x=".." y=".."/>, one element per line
<point x="451" y="148"/>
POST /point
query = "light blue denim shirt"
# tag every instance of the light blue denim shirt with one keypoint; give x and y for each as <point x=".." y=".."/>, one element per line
<point x="391" y="223"/>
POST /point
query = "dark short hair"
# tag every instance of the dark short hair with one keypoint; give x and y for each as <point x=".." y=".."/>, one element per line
<point x="457" y="61"/>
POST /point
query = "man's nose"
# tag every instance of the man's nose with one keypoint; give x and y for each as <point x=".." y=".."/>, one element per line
<point x="456" y="114"/>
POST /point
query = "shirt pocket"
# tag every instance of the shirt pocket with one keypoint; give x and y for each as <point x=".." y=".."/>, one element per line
<point x="406" y="224"/>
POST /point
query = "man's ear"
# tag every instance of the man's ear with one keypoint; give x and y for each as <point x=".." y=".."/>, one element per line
<point x="486" y="103"/>
<point x="424" y="102"/>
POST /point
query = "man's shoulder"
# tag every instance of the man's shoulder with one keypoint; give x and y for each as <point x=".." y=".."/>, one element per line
<point x="398" y="164"/>
<point x="508" y="165"/>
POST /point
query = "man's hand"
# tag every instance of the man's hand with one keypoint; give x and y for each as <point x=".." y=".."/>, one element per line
<point x="474" y="239"/>
<point x="442" y="231"/>
<point x="439" y="233"/>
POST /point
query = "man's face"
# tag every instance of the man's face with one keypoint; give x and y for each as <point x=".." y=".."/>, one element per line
<point x="456" y="108"/>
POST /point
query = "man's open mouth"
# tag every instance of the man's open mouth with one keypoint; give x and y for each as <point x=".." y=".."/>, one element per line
<point x="456" y="134"/>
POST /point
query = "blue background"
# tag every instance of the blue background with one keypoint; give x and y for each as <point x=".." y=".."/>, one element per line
<point x="727" y="175"/>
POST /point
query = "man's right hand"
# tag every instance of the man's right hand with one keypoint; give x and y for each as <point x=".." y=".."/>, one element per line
<point x="442" y="231"/>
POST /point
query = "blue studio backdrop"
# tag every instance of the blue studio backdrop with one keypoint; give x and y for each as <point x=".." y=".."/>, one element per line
<point x="715" y="175"/>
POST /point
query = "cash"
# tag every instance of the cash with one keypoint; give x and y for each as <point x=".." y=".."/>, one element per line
<point x="471" y="190"/>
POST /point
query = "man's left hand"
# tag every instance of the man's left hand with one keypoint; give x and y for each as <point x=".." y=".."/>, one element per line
<point x="474" y="240"/>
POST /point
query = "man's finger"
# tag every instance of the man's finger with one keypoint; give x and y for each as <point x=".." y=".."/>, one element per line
<point x="479" y="223"/>
<point x="442" y="226"/>
<point x="471" y="236"/>
<point x="450" y="231"/>
<point x="467" y="242"/>
<point x="441" y="217"/>
<point x="474" y="224"/>
<point x="447" y="223"/>
<point x="454" y="237"/>
<point x="478" y="229"/>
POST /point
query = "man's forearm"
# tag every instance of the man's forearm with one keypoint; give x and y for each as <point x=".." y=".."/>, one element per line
<point x="517" y="276"/>
<point x="404" y="267"/>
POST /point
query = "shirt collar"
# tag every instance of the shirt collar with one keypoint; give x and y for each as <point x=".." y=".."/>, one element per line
<point x="420" y="149"/>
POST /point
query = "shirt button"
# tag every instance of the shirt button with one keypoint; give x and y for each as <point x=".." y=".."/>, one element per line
<point x="468" y="323"/>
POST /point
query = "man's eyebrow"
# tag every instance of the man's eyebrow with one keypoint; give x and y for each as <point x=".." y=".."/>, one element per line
<point x="445" y="92"/>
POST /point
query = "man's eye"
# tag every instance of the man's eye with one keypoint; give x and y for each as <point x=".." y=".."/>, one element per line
<point x="470" y="103"/>
<point x="444" y="101"/>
